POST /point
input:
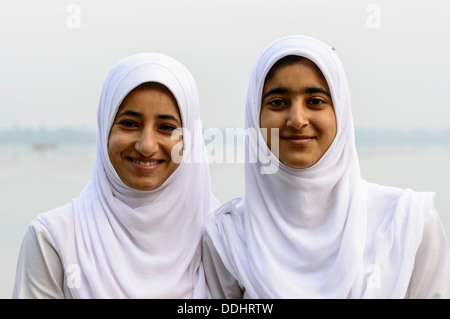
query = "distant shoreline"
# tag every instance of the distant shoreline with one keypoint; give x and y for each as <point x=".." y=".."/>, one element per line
<point x="47" y="136"/>
<point x="362" y="135"/>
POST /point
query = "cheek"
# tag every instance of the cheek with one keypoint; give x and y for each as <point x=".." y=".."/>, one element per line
<point x="333" y="124"/>
<point x="265" y="119"/>
<point x="328" y="122"/>
<point x="174" y="148"/>
<point x="272" y="119"/>
<point x="116" y="143"/>
<point x="268" y="121"/>
<point x="329" y="128"/>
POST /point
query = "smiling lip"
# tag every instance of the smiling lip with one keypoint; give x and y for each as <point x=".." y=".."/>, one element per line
<point x="298" y="140"/>
<point x="147" y="164"/>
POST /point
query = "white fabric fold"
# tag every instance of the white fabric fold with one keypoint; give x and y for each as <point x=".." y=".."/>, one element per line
<point x="142" y="244"/>
<point x="303" y="233"/>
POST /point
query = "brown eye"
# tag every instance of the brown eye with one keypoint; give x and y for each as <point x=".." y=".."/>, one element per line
<point x="168" y="128"/>
<point x="277" y="102"/>
<point x="128" y="123"/>
<point x="315" y="102"/>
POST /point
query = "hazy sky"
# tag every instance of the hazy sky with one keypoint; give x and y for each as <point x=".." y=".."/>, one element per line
<point x="56" y="54"/>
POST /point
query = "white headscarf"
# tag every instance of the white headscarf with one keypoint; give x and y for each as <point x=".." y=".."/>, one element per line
<point x="302" y="233"/>
<point x="143" y="244"/>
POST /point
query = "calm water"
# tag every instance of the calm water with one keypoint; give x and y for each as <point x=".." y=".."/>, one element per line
<point x="35" y="180"/>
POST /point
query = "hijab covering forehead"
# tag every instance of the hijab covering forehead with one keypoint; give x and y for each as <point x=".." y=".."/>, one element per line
<point x="143" y="244"/>
<point x="301" y="233"/>
<point x="325" y="58"/>
<point x="130" y="73"/>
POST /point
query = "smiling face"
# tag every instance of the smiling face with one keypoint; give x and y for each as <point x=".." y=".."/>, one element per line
<point x="140" y="141"/>
<point x="296" y="100"/>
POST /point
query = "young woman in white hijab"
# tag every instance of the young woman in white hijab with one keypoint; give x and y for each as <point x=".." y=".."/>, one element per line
<point x="310" y="226"/>
<point x="135" y="230"/>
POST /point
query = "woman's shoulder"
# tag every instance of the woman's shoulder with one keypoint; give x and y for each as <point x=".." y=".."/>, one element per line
<point x="40" y="273"/>
<point x="390" y="204"/>
<point x="377" y="191"/>
<point x="58" y="218"/>
<point x="229" y="210"/>
<point x="386" y="195"/>
<point x="224" y="223"/>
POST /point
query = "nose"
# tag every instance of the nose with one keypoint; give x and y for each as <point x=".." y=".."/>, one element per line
<point x="298" y="115"/>
<point x="147" y="143"/>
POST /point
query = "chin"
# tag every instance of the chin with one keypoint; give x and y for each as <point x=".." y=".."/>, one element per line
<point x="143" y="187"/>
<point x="297" y="163"/>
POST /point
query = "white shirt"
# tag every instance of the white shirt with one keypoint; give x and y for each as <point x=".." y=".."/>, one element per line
<point x="117" y="242"/>
<point x="323" y="231"/>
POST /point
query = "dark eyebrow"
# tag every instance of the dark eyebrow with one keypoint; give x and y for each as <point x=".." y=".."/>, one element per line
<point x="279" y="90"/>
<point x="317" y="90"/>
<point x="283" y="90"/>
<point x="129" y="113"/>
<point x="161" y="116"/>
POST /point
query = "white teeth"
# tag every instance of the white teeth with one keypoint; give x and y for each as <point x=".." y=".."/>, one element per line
<point x="145" y="163"/>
